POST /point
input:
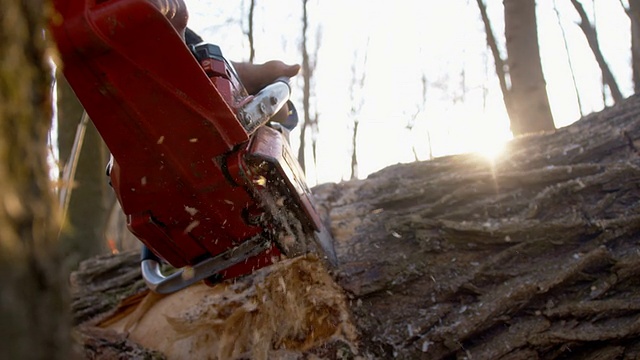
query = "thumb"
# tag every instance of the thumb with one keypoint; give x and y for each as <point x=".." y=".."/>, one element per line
<point x="255" y="77"/>
<point x="291" y="70"/>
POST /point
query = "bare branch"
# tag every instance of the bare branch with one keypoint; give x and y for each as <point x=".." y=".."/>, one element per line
<point x="497" y="58"/>
<point x="566" y="49"/>
<point x="592" y="38"/>
<point x="252" y="48"/>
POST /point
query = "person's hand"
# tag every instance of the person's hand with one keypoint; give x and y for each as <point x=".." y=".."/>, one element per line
<point x="255" y="77"/>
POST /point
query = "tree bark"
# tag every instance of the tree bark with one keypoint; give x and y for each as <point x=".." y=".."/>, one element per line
<point x="33" y="310"/>
<point x="534" y="255"/>
<point x="529" y="105"/>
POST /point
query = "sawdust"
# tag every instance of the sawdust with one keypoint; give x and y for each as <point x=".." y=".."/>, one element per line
<point x="294" y="306"/>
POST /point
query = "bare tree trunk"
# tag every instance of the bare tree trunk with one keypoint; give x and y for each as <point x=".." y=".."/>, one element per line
<point x="250" y="31"/>
<point x="315" y="129"/>
<point x="533" y="256"/>
<point x="86" y="217"/>
<point x="526" y="99"/>
<point x="354" y="150"/>
<point x="307" y="74"/>
<point x="497" y="58"/>
<point x="69" y="114"/>
<point x="569" y="62"/>
<point x="528" y="95"/>
<point x="358" y="77"/>
<point x="314" y="122"/>
<point x="33" y="306"/>
<point x="592" y="38"/>
<point x="633" y="11"/>
<point x="413" y="118"/>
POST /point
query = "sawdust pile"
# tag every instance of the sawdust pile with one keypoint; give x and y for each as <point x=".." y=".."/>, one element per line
<point x="290" y="307"/>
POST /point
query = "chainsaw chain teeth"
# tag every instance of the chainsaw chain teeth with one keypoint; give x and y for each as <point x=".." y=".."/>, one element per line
<point x="283" y="217"/>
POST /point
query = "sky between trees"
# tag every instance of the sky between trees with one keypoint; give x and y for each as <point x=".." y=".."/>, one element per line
<point x="396" y="45"/>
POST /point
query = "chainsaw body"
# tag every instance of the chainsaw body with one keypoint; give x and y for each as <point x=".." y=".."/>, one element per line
<point x="205" y="183"/>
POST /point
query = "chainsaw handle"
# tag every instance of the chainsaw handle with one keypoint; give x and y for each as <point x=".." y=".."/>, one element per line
<point x="266" y="103"/>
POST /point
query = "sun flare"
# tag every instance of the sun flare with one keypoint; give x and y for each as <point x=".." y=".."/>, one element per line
<point x="491" y="150"/>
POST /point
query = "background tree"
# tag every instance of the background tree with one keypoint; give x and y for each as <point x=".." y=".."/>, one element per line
<point x="443" y="57"/>
<point x="314" y="120"/>
<point x="633" y="11"/>
<point x="590" y="33"/>
<point x="499" y="63"/>
<point x="414" y="116"/>
<point x="634" y="15"/>
<point x="530" y="110"/>
<point x="250" y="30"/>
<point x="356" y="89"/>
<point x="309" y="63"/>
<point x="569" y="61"/>
<point x="525" y="99"/>
<point x="33" y="307"/>
<point x="90" y="196"/>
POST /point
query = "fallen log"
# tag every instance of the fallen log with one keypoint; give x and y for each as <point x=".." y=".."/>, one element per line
<point x="534" y="254"/>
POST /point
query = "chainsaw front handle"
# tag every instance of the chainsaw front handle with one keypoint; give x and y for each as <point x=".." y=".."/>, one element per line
<point x="265" y="104"/>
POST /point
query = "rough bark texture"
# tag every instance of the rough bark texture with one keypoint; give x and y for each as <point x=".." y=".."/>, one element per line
<point x="32" y="287"/>
<point x="533" y="255"/>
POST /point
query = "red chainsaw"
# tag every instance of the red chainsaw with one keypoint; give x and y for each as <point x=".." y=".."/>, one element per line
<point x="207" y="182"/>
